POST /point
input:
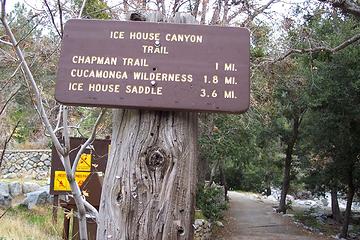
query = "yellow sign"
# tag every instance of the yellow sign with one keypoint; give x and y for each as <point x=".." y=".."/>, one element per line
<point x="62" y="184"/>
<point x="84" y="163"/>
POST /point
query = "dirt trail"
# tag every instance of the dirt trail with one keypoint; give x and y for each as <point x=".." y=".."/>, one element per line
<point x="252" y="219"/>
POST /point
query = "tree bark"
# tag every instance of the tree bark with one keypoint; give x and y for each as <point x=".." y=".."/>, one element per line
<point x="223" y="178"/>
<point x="350" y="197"/>
<point x="150" y="180"/>
<point x="335" y="206"/>
<point x="213" y="171"/>
<point x="202" y="170"/>
<point x="268" y="183"/>
<point x="195" y="10"/>
<point x="287" y="165"/>
<point x="286" y="180"/>
<point x="204" y="11"/>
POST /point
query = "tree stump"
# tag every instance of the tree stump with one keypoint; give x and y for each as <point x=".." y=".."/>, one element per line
<point x="150" y="181"/>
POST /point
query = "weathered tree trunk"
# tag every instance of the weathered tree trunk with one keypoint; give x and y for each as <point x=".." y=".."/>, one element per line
<point x="202" y="170"/>
<point x="287" y="165"/>
<point x="286" y="181"/>
<point x="268" y="183"/>
<point x="204" y="11"/>
<point x="213" y="171"/>
<point x="223" y="178"/>
<point x="350" y="197"/>
<point x="335" y="205"/>
<point x="150" y="180"/>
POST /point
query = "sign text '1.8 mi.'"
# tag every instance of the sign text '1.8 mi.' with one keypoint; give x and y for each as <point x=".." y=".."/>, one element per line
<point x="154" y="65"/>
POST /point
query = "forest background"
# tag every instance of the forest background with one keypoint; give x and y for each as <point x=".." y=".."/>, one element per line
<point x="302" y="131"/>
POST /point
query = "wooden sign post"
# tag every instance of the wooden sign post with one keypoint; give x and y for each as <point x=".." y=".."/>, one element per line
<point x="150" y="179"/>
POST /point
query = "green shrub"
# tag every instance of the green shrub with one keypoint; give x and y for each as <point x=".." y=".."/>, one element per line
<point x="211" y="201"/>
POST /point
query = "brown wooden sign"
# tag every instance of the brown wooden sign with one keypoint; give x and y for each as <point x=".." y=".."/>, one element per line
<point x="154" y="65"/>
<point x="94" y="159"/>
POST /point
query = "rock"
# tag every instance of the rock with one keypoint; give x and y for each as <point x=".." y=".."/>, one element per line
<point x="19" y="175"/>
<point x="28" y="176"/>
<point x="199" y="222"/>
<point x="39" y="197"/>
<point x="11" y="169"/>
<point x="43" y="157"/>
<point x="5" y="198"/>
<point x="11" y="175"/>
<point x="290" y="198"/>
<point x="325" y="202"/>
<point x="4" y="188"/>
<point x="202" y="229"/>
<point x="31" y="163"/>
<point x="219" y="224"/>
<point x="303" y="195"/>
<point x="288" y="215"/>
<point x="15" y="189"/>
<point x="41" y="175"/>
<point x="30" y="187"/>
<point x="271" y="198"/>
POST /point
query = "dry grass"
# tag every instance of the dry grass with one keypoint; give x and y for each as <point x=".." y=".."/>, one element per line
<point x="41" y="182"/>
<point x="19" y="223"/>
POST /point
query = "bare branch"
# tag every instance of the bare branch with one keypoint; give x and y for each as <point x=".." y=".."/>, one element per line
<point x="76" y="194"/>
<point x="66" y="130"/>
<point x="7" y="141"/>
<point x="204" y="11"/>
<point x="9" y="99"/>
<point x="31" y="79"/>
<point x="75" y="189"/>
<point x="180" y="5"/>
<point x="52" y="18"/>
<point x="216" y="15"/>
<point x="2" y="14"/>
<point x="8" y="54"/>
<point x="257" y="12"/>
<point x="61" y="18"/>
<point x="89" y="140"/>
<point x="321" y="49"/>
<point x="5" y="42"/>
<point x="82" y="8"/>
<point x="347" y="6"/>
<point x="226" y="11"/>
<point x="58" y="118"/>
<point x="92" y="209"/>
<point x="175" y="7"/>
<point x="242" y="8"/>
<point x="62" y="128"/>
<point x="108" y="8"/>
<point x="27" y="34"/>
<point x="195" y="10"/>
<point x="12" y="75"/>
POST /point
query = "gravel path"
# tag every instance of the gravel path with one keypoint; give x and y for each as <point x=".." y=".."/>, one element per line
<point x="251" y="218"/>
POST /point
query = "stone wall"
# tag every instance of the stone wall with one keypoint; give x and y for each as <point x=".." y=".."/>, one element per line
<point x="202" y="229"/>
<point x="26" y="164"/>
